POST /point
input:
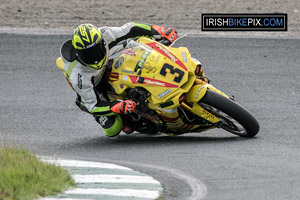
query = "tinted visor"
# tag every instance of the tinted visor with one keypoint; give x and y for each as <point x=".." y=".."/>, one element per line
<point x="92" y="55"/>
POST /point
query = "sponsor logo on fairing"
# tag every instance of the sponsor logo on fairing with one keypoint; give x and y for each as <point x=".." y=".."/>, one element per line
<point x="172" y="57"/>
<point x="165" y="52"/>
<point x="198" y="92"/>
<point x="151" y="81"/>
<point x="129" y="52"/>
<point x="127" y="72"/>
<point x="149" y="67"/>
<point x="142" y="61"/>
<point x="184" y="56"/>
<point x="161" y="95"/>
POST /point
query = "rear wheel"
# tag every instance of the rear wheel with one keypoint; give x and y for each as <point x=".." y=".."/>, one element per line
<point x="234" y="118"/>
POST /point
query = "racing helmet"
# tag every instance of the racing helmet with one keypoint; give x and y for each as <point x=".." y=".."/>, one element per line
<point x="89" y="46"/>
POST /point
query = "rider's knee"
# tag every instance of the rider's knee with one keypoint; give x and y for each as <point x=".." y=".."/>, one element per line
<point x="112" y="125"/>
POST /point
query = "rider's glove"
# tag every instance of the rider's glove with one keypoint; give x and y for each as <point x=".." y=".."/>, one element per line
<point x="166" y="33"/>
<point x="125" y="107"/>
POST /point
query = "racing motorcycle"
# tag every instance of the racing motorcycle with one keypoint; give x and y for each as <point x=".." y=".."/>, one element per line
<point x="171" y="98"/>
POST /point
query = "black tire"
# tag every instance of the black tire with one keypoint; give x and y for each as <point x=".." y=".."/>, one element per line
<point x="234" y="118"/>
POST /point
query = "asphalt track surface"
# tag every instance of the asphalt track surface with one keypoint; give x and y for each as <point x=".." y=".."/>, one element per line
<point x="38" y="111"/>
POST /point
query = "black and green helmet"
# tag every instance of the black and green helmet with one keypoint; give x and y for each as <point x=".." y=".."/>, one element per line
<point x="89" y="46"/>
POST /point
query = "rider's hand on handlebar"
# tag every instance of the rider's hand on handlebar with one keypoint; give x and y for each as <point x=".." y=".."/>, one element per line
<point x="125" y="107"/>
<point x="169" y="34"/>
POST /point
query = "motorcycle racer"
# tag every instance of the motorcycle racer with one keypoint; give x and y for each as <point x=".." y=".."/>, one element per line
<point x="85" y="57"/>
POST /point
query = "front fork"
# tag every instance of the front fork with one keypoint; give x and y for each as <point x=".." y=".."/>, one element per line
<point x="195" y="94"/>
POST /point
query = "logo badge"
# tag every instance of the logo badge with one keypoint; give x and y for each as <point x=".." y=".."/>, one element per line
<point x="244" y="22"/>
<point x="79" y="84"/>
<point x="184" y="56"/>
<point x="161" y="95"/>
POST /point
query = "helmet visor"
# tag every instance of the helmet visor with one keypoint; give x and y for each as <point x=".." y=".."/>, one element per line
<point x="92" y="55"/>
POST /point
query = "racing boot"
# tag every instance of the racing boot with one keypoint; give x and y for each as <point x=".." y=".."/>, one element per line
<point x="112" y="125"/>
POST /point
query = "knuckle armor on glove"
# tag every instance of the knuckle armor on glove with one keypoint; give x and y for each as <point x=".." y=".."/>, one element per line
<point x="170" y="34"/>
<point x="166" y="33"/>
<point x="124" y="107"/>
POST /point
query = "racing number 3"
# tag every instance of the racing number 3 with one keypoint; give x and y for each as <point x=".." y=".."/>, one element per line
<point x="173" y="71"/>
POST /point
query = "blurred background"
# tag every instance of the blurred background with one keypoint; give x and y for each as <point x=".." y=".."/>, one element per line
<point x="183" y="15"/>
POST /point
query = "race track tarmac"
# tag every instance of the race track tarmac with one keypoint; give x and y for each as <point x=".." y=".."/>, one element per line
<point x="38" y="111"/>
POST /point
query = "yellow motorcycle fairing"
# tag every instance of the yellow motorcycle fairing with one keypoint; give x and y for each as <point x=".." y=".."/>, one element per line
<point x="162" y="71"/>
<point x="60" y="64"/>
<point x="167" y="73"/>
<point x="195" y="95"/>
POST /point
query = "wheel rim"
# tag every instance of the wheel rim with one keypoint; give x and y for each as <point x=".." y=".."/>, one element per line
<point x="227" y="122"/>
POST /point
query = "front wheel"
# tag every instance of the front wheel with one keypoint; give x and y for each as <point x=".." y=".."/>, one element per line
<point x="234" y="118"/>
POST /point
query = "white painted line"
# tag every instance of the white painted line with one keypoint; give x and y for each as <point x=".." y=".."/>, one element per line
<point x="117" y="192"/>
<point x="95" y="179"/>
<point x="113" y="179"/>
<point x="76" y="163"/>
<point x="199" y="190"/>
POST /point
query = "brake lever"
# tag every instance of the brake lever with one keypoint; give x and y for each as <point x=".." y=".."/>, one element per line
<point x="177" y="39"/>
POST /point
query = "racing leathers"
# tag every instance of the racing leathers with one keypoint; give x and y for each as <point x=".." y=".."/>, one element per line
<point x="89" y="83"/>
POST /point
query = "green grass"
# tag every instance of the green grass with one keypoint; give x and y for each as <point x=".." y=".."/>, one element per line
<point x="24" y="176"/>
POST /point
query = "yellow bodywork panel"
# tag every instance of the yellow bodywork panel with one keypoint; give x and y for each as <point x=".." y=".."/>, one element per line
<point x="60" y="64"/>
<point x="195" y="94"/>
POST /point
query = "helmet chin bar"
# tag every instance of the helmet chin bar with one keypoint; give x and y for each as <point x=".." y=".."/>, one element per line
<point x="96" y="66"/>
<point x="93" y="56"/>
